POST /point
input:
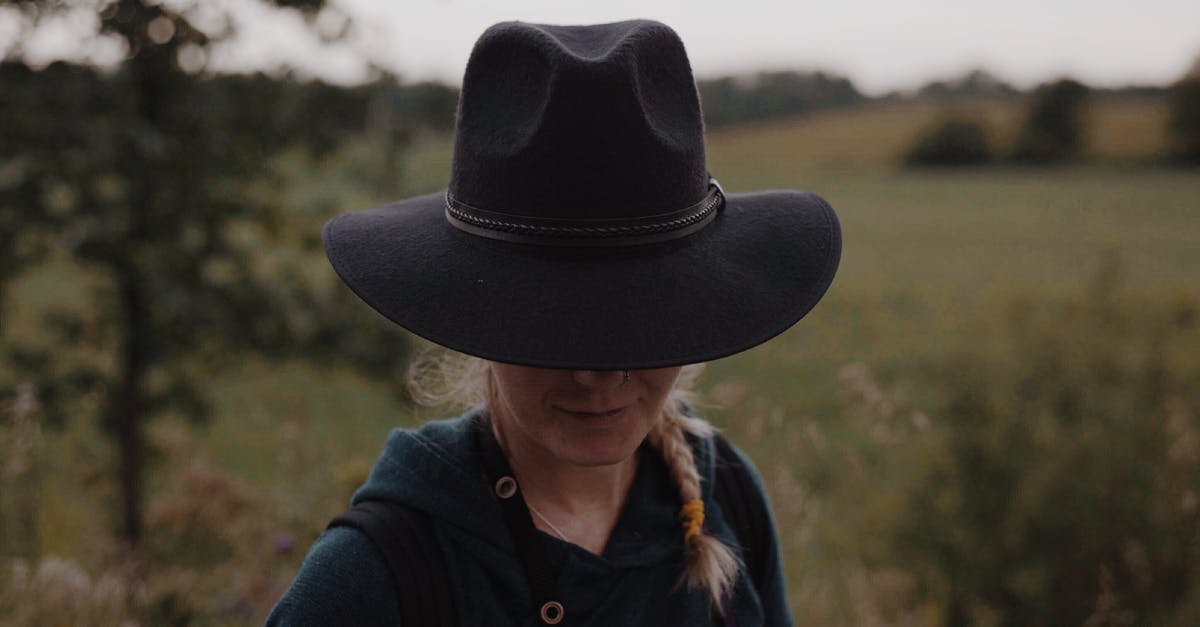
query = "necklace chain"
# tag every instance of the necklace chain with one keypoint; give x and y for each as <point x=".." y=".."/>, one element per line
<point x="552" y="526"/>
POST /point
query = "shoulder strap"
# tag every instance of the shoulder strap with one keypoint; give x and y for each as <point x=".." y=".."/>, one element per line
<point x="745" y="508"/>
<point x="405" y="537"/>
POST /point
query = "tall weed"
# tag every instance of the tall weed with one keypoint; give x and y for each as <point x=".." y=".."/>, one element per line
<point x="1053" y="479"/>
<point x="1064" y="490"/>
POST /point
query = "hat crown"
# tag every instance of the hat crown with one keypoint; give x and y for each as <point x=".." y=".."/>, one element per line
<point x="579" y="122"/>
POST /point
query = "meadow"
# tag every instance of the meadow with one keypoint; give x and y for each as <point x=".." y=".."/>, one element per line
<point x="845" y="413"/>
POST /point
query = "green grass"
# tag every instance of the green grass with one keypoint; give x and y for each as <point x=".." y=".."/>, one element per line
<point x="1024" y="228"/>
<point x="931" y="258"/>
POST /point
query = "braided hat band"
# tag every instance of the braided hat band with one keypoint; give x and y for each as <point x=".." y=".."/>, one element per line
<point x="586" y="232"/>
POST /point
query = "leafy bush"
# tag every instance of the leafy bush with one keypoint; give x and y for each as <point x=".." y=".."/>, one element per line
<point x="955" y="141"/>
<point x="1054" y="130"/>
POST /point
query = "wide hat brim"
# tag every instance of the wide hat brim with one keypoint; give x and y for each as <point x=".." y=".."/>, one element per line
<point x="757" y="269"/>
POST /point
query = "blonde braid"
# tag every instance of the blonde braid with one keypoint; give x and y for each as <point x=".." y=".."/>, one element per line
<point x="711" y="565"/>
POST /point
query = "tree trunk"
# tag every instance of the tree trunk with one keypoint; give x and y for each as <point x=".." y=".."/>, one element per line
<point x="151" y="70"/>
<point x="130" y="406"/>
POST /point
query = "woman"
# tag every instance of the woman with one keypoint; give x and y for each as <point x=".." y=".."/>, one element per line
<point x="583" y="256"/>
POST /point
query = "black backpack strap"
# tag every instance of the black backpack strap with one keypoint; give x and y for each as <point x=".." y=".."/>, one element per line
<point x="745" y="510"/>
<point x="404" y="535"/>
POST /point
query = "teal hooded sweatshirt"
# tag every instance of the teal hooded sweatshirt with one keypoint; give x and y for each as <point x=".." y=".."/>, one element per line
<point x="345" y="581"/>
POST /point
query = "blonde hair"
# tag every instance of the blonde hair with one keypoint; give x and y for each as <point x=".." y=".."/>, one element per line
<point x="440" y="377"/>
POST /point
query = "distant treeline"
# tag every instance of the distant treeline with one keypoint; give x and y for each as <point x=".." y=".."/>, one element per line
<point x="766" y="95"/>
<point x="1054" y="129"/>
<point x="389" y="103"/>
<point x="325" y="113"/>
<point x="980" y="83"/>
<point x="403" y="107"/>
<point x="321" y="116"/>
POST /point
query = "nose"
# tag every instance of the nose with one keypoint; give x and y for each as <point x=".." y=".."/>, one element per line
<point x="600" y="379"/>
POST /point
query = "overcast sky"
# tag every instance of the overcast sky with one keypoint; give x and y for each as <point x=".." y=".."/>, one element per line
<point x="881" y="45"/>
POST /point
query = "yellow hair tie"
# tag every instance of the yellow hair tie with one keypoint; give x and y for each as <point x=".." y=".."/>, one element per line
<point x="692" y="514"/>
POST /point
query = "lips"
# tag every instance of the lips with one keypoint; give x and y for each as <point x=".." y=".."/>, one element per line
<point x="589" y="413"/>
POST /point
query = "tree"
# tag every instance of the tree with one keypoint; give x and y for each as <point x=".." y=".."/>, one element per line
<point x="159" y="182"/>
<point x="1184" y="127"/>
<point x="1054" y="129"/>
<point x="977" y="83"/>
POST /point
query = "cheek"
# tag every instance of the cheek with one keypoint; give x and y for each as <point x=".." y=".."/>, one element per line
<point x="522" y="401"/>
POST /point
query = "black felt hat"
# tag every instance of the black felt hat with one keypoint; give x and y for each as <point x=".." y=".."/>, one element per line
<point x="581" y="228"/>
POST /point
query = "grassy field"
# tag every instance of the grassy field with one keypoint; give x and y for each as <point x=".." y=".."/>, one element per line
<point x="931" y="260"/>
<point x="875" y="136"/>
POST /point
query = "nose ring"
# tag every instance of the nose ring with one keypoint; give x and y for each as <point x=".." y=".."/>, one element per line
<point x="625" y="378"/>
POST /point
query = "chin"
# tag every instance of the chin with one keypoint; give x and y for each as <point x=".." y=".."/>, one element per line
<point x="599" y="442"/>
<point x="599" y="453"/>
